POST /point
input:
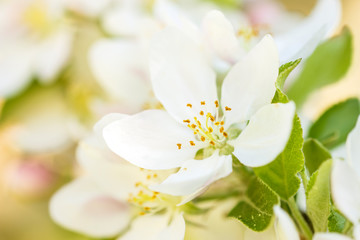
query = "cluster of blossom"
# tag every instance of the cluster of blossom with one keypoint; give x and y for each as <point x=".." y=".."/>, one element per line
<point x="186" y="95"/>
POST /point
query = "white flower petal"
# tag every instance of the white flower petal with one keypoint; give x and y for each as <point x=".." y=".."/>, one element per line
<point x="156" y="227"/>
<point x="250" y="84"/>
<point x="15" y="70"/>
<point x="195" y="175"/>
<point x="353" y="149"/>
<point x="83" y="207"/>
<point x="106" y="120"/>
<point x="115" y="176"/>
<point x="52" y="55"/>
<point x="120" y="67"/>
<point x="169" y="13"/>
<point x="180" y="75"/>
<point x="356" y="231"/>
<point x="266" y="135"/>
<point x="176" y="229"/>
<point x="125" y="18"/>
<point x="219" y="34"/>
<point x="345" y="187"/>
<point x="285" y="227"/>
<point x="302" y="40"/>
<point x="330" y="236"/>
<point x="149" y="140"/>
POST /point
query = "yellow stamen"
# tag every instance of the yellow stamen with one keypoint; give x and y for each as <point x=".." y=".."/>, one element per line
<point x="192" y="143"/>
<point x="217" y="103"/>
<point x="202" y="113"/>
<point x="186" y="121"/>
<point x="227" y="108"/>
<point x="179" y="145"/>
<point x="189" y="105"/>
<point x="202" y="102"/>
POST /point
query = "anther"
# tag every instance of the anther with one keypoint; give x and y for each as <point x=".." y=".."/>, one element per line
<point x="189" y="105"/>
<point x="203" y="138"/>
<point x="179" y="145"/>
<point x="155" y="175"/>
<point x="202" y="113"/>
<point x="210" y="129"/>
<point x="193" y="125"/>
<point x="192" y="143"/>
<point x="202" y="102"/>
<point x="148" y="177"/>
<point x="221" y="129"/>
<point x="222" y="122"/>
<point x="142" y="213"/>
<point x="217" y="123"/>
<point x="217" y="103"/>
<point x="137" y="184"/>
<point x="225" y="134"/>
<point x="212" y="143"/>
<point x="147" y="208"/>
<point x="186" y="121"/>
<point x="227" y="108"/>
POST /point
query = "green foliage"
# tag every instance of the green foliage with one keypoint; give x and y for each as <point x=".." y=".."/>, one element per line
<point x="284" y="71"/>
<point x="256" y="209"/>
<point x="318" y="197"/>
<point x="315" y="154"/>
<point x="337" y="222"/>
<point x="333" y="126"/>
<point x="328" y="64"/>
<point x="281" y="174"/>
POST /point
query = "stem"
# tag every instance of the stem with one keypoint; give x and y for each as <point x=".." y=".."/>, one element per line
<point x="300" y="219"/>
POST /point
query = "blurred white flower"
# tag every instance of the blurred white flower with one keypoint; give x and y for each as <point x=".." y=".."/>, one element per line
<point x="345" y="181"/>
<point x="113" y="197"/>
<point x="35" y="43"/>
<point x="282" y="229"/>
<point x="41" y="123"/>
<point x="185" y="84"/>
<point x="119" y="64"/>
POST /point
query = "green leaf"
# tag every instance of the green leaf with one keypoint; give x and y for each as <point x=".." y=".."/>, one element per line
<point x="315" y="154"/>
<point x="332" y="128"/>
<point x="281" y="174"/>
<point x="318" y="197"/>
<point x="256" y="210"/>
<point x="284" y="71"/>
<point x="328" y="64"/>
<point x="337" y="222"/>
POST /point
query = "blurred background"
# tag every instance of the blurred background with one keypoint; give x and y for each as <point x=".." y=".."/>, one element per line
<point x="29" y="175"/>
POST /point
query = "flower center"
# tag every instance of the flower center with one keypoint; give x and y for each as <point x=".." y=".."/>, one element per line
<point x="37" y="19"/>
<point x="208" y="127"/>
<point x="147" y="201"/>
